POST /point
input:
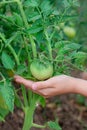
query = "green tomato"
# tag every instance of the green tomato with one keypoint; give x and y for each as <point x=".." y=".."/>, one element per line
<point x="69" y="31"/>
<point x="41" y="70"/>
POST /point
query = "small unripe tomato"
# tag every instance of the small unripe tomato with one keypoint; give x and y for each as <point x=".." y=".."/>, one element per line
<point x="69" y="31"/>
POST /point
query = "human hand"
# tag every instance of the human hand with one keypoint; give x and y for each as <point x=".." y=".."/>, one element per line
<point x="54" y="86"/>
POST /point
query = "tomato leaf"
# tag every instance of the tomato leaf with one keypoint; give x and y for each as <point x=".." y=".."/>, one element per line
<point x="18" y="19"/>
<point x="35" y="29"/>
<point x="46" y="7"/>
<point x="21" y="69"/>
<point x="31" y="3"/>
<point x="3" y="113"/>
<point x="42" y="101"/>
<point x="7" y="61"/>
<point x="34" y="16"/>
<point x="1" y="118"/>
<point x="68" y="3"/>
<point x="7" y="92"/>
<point x="54" y="125"/>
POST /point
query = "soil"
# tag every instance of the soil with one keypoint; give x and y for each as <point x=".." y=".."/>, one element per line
<point x="70" y="114"/>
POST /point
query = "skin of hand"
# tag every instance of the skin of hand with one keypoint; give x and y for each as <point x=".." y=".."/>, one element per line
<point x="56" y="85"/>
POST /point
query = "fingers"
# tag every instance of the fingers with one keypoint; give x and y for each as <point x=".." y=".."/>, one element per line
<point x="31" y="84"/>
<point x="42" y="88"/>
<point x="40" y="85"/>
<point x="20" y="80"/>
<point x="47" y="92"/>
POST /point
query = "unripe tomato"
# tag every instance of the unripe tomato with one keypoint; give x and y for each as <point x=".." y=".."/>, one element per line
<point x="69" y="31"/>
<point x="41" y="70"/>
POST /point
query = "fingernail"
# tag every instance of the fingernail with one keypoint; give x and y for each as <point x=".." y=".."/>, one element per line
<point x="34" y="86"/>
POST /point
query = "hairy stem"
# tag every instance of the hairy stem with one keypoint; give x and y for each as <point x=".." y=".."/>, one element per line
<point x="28" y="118"/>
<point x="49" y="45"/>
<point x="27" y="26"/>
<point x="24" y="95"/>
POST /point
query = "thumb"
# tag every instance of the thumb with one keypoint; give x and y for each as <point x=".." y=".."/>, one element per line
<point x="40" y="85"/>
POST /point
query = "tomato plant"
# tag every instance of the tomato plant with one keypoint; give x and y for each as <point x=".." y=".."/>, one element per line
<point x="32" y="46"/>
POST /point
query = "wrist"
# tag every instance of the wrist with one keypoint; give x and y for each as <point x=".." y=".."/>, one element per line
<point x="71" y="85"/>
<point x="79" y="86"/>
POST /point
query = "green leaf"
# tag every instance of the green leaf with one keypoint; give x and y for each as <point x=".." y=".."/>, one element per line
<point x="34" y="16"/>
<point x="21" y="69"/>
<point x="3" y="108"/>
<point x="80" y="99"/>
<point x="3" y="113"/>
<point x="61" y="44"/>
<point x="80" y="58"/>
<point x="35" y="29"/>
<point x="32" y="3"/>
<point x="72" y="46"/>
<point x="2" y="102"/>
<point x="12" y="38"/>
<point x="54" y="125"/>
<point x="7" y="92"/>
<point x="75" y="2"/>
<point x="7" y="61"/>
<point x="1" y="118"/>
<point x="42" y="101"/>
<point x="68" y="3"/>
<point x="46" y="7"/>
<point x="18" y="19"/>
<point x="17" y="101"/>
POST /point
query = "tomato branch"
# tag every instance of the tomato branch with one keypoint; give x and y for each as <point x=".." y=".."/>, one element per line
<point x="27" y="27"/>
<point x="49" y="44"/>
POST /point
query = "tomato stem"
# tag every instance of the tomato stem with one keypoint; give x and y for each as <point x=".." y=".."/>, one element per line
<point x="29" y="111"/>
<point x="24" y="95"/>
<point x="27" y="27"/>
<point x="49" y="45"/>
<point x="28" y="118"/>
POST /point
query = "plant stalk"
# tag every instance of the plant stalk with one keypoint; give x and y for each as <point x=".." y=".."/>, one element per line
<point x="49" y="45"/>
<point x="24" y="96"/>
<point x="28" y="118"/>
<point x="38" y="126"/>
<point x="27" y="26"/>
